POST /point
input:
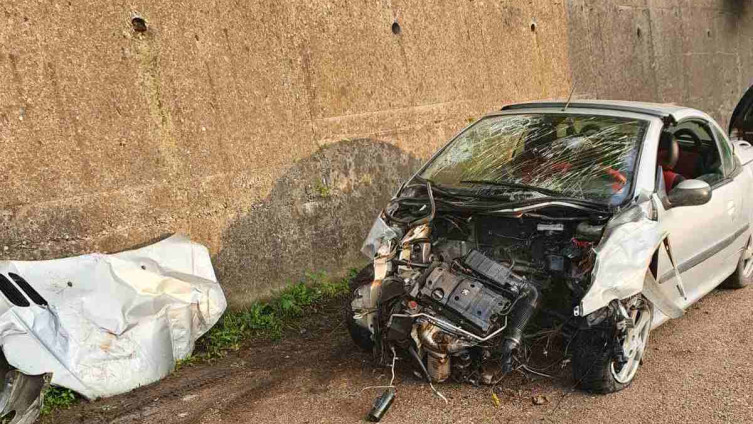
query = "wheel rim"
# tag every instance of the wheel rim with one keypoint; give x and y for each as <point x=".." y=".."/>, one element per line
<point x="748" y="260"/>
<point x="634" y="345"/>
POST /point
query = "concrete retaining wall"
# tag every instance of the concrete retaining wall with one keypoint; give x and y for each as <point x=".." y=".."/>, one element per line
<point x="697" y="53"/>
<point x="274" y="131"/>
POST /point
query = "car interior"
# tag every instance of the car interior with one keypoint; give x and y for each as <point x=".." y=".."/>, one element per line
<point x="687" y="152"/>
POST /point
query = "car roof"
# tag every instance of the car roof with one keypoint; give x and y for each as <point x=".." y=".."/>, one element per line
<point x="662" y="110"/>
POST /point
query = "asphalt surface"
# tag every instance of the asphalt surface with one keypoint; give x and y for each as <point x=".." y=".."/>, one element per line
<point x="697" y="369"/>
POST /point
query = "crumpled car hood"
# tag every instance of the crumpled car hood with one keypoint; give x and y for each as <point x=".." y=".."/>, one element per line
<point x="112" y="322"/>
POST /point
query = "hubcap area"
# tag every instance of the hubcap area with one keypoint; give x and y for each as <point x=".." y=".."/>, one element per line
<point x="748" y="261"/>
<point x="634" y="345"/>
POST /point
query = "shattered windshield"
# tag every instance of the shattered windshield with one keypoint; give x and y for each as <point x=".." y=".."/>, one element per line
<point x="587" y="157"/>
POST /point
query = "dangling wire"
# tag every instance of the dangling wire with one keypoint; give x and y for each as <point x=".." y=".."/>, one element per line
<point x="426" y="373"/>
<point x="392" y="380"/>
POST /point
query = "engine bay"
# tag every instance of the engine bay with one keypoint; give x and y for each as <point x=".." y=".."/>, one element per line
<point x="463" y="291"/>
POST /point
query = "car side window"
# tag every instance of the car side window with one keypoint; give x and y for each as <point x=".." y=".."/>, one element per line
<point x="728" y="157"/>
<point x="699" y="156"/>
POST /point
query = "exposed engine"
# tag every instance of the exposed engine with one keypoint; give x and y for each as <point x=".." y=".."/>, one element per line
<point x="459" y="291"/>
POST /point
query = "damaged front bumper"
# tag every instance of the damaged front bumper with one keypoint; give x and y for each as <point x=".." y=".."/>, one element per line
<point x="102" y="325"/>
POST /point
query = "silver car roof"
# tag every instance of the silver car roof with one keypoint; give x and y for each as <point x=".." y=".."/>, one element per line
<point x="662" y="110"/>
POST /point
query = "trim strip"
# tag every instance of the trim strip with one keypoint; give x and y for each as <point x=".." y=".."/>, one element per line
<point x="581" y="105"/>
<point x="706" y="254"/>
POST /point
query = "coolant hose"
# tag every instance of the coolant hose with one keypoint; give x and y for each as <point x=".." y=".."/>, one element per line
<point x="524" y="310"/>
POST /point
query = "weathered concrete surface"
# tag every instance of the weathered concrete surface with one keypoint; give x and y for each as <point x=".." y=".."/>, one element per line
<point x="226" y="120"/>
<point x="697" y="53"/>
<point x="331" y="195"/>
<point x="217" y="121"/>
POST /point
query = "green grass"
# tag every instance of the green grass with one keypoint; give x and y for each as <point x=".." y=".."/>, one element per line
<point x="322" y="189"/>
<point x="267" y="319"/>
<point x="58" y="398"/>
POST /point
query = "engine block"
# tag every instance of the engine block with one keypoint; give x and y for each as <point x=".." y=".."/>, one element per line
<point x="466" y="296"/>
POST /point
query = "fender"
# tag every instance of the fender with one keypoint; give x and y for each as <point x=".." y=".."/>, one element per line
<point x="622" y="266"/>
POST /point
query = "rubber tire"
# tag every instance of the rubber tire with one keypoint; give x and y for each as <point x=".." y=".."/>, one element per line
<point x="361" y="336"/>
<point x="593" y="351"/>
<point x="737" y="280"/>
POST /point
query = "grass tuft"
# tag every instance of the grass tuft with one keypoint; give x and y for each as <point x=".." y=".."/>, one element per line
<point x="266" y="319"/>
<point x="57" y="398"/>
<point x="322" y="189"/>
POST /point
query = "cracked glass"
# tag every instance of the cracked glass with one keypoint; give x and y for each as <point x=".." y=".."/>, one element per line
<point x="586" y="157"/>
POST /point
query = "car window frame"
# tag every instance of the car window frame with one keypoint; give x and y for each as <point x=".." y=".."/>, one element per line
<point x="659" y="188"/>
<point x="724" y="140"/>
<point x="710" y="126"/>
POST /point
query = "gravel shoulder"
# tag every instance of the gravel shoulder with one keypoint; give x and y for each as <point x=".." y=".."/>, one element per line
<point x="697" y="369"/>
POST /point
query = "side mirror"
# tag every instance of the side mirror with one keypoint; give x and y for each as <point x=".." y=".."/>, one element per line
<point x="690" y="193"/>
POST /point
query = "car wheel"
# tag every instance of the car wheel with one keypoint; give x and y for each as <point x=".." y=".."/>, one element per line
<point x="603" y="363"/>
<point x="744" y="272"/>
<point x="361" y="336"/>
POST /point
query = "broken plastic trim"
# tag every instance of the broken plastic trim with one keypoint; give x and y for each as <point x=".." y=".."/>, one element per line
<point x="11" y="293"/>
<point x="28" y="289"/>
<point x="379" y="234"/>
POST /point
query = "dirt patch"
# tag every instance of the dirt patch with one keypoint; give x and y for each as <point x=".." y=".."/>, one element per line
<point x="696" y="370"/>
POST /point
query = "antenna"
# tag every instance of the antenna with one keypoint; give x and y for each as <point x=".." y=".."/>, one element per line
<point x="570" y="96"/>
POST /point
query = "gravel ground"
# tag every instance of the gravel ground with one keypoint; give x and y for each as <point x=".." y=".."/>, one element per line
<point x="696" y="370"/>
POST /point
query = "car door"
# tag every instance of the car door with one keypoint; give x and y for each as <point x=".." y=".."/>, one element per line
<point x="741" y="121"/>
<point x="740" y="133"/>
<point x="701" y="239"/>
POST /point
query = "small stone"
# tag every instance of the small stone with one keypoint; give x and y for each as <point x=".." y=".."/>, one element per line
<point x="540" y="400"/>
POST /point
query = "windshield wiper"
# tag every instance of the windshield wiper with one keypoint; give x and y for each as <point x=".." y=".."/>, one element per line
<point x="526" y="187"/>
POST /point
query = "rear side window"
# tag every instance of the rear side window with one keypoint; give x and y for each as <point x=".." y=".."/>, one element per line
<point x="11" y="292"/>
<point x="28" y="289"/>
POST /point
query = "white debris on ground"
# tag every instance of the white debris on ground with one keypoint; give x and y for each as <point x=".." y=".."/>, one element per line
<point x="106" y="324"/>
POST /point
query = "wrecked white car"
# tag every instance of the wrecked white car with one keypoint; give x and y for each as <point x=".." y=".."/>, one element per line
<point x="594" y="220"/>
<point x="101" y="324"/>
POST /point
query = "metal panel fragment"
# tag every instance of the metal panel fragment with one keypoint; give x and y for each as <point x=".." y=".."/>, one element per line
<point x="113" y="322"/>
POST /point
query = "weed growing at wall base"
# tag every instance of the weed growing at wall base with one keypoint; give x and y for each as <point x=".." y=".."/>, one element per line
<point x="57" y="398"/>
<point x="266" y="319"/>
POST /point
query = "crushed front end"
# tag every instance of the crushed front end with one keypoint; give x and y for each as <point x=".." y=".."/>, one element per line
<point x="463" y="287"/>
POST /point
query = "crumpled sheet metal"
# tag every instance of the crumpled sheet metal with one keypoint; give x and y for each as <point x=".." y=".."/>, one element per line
<point x="380" y="232"/>
<point x="622" y="259"/>
<point x="114" y="322"/>
<point x="20" y="395"/>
